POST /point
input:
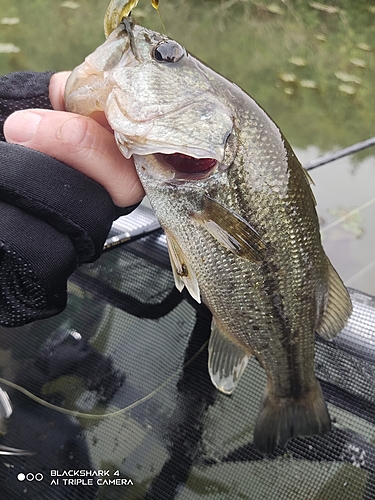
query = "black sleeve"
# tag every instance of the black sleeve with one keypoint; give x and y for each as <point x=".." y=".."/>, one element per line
<point x="52" y="217"/>
<point x="23" y="90"/>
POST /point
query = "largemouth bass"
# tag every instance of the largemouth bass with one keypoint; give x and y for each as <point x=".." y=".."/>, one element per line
<point x="238" y="213"/>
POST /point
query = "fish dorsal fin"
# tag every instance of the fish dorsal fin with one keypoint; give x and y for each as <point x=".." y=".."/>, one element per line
<point x="227" y="360"/>
<point x="182" y="270"/>
<point x="310" y="181"/>
<point x="338" y="306"/>
<point x="231" y="230"/>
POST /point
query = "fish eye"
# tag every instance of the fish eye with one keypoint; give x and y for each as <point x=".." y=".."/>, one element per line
<point x="168" y="51"/>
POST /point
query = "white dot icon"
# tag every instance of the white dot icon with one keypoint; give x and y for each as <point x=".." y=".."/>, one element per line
<point x="21" y="477"/>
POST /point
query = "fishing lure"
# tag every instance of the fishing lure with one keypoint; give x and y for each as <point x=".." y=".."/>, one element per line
<point x="118" y="9"/>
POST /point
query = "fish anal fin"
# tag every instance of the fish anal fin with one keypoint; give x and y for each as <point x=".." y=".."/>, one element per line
<point x="182" y="271"/>
<point x="231" y="230"/>
<point x="337" y="309"/>
<point x="281" y="419"/>
<point x="227" y="360"/>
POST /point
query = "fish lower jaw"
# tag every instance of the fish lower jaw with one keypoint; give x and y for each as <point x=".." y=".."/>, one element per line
<point x="162" y="169"/>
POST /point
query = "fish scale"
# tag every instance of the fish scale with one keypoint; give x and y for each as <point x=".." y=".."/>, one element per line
<point x="242" y="231"/>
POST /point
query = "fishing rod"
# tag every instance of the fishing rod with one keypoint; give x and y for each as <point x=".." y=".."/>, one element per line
<point x="359" y="146"/>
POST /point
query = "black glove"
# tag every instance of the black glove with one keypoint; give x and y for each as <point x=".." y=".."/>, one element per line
<point x="52" y="217"/>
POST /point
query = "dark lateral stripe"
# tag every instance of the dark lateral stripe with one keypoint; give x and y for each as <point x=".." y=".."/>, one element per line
<point x="272" y="287"/>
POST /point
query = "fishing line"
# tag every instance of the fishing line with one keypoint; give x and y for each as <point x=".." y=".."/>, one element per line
<point x="357" y="210"/>
<point x="348" y="215"/>
<point x="155" y="4"/>
<point x="359" y="146"/>
<point x="91" y="416"/>
<point x="360" y="273"/>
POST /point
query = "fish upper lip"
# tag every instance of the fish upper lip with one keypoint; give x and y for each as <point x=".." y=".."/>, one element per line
<point x="183" y="149"/>
<point x="159" y="115"/>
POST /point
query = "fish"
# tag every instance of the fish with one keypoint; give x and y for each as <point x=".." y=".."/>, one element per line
<point x="238" y="213"/>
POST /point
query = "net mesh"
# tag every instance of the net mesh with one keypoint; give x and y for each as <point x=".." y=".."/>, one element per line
<point x="118" y="383"/>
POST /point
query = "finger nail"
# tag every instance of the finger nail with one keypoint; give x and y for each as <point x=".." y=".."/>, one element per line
<point x="21" y="126"/>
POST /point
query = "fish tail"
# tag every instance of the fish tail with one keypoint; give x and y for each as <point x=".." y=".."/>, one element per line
<point x="281" y="419"/>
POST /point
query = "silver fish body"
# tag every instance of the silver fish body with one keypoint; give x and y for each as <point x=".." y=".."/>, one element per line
<point x="238" y="212"/>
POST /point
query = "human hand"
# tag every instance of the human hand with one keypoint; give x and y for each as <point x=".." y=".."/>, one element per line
<point x="53" y="217"/>
<point x="86" y="144"/>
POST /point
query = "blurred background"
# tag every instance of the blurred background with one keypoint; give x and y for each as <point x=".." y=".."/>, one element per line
<point x="310" y="65"/>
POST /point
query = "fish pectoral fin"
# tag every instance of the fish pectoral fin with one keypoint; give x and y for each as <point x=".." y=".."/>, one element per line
<point x="338" y="306"/>
<point x="231" y="230"/>
<point x="227" y="360"/>
<point x="182" y="271"/>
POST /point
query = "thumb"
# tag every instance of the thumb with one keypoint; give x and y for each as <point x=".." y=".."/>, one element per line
<point x="81" y="143"/>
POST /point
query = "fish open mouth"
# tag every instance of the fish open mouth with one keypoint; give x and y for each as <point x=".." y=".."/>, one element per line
<point x="187" y="167"/>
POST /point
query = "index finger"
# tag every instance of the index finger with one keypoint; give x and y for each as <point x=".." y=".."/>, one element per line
<point x="57" y="88"/>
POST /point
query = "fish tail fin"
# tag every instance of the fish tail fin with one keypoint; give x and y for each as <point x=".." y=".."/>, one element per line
<point x="280" y="419"/>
